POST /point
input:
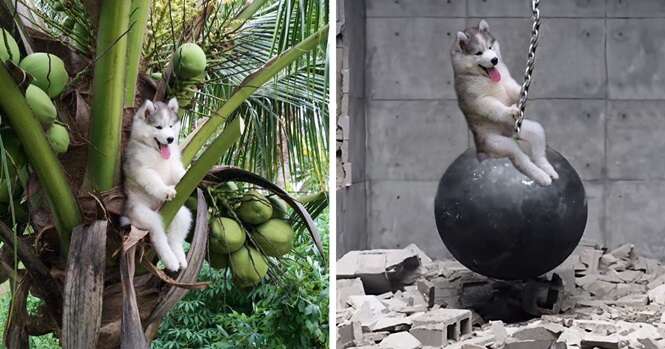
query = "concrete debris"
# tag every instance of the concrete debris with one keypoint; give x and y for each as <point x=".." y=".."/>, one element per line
<point x="347" y="288"/>
<point x="380" y="270"/>
<point x="391" y="324"/>
<point x="499" y="332"/>
<point x="535" y="334"/>
<point x="599" y="342"/>
<point x="431" y="335"/>
<point x="657" y="295"/>
<point x="648" y="343"/>
<point x="402" y="299"/>
<point x="401" y="340"/>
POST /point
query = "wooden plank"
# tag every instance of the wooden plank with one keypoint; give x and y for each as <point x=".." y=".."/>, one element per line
<point x="84" y="286"/>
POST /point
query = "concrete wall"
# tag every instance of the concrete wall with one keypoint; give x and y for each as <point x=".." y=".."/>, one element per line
<point x="351" y="138"/>
<point x="598" y="89"/>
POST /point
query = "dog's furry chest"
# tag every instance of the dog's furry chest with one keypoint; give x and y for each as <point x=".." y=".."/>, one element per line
<point x="499" y="91"/>
<point x="140" y="158"/>
<point x="164" y="168"/>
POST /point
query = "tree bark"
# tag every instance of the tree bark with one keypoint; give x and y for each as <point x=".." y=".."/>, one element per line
<point x="84" y="286"/>
<point x="16" y="331"/>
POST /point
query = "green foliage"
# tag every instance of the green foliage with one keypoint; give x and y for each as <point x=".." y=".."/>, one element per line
<point x="285" y="140"/>
<point x="290" y="314"/>
<point x="49" y="341"/>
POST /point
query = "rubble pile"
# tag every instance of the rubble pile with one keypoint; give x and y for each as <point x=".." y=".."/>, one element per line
<point x="402" y="299"/>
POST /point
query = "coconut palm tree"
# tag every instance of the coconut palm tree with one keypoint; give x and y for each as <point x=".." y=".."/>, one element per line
<point x="257" y="114"/>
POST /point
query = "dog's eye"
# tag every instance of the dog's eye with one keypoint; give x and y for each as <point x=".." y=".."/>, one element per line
<point x="170" y="126"/>
<point x="159" y="127"/>
<point x="491" y="47"/>
<point x="479" y="53"/>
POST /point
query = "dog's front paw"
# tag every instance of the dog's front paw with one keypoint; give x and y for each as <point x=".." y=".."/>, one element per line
<point x="169" y="193"/>
<point x="171" y="263"/>
<point x="542" y="178"/>
<point x="513" y="112"/>
<point x="180" y="255"/>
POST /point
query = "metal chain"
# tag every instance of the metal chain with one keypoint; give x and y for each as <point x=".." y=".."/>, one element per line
<point x="530" y="63"/>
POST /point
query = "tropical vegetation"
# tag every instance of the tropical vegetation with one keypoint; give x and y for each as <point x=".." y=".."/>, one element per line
<point x="251" y="79"/>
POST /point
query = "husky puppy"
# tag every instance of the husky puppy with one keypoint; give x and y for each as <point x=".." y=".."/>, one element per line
<point x="488" y="97"/>
<point x="152" y="168"/>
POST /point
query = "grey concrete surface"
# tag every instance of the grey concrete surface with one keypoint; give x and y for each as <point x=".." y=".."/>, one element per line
<point x="352" y="185"/>
<point x="598" y="89"/>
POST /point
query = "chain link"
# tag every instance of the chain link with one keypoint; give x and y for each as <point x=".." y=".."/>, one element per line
<point x="530" y="63"/>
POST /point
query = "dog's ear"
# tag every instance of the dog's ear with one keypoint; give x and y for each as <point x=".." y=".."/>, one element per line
<point x="147" y="107"/>
<point x="483" y="26"/>
<point x="462" y="40"/>
<point x="173" y="105"/>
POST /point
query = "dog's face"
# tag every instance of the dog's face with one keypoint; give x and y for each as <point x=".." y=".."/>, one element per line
<point x="157" y="124"/>
<point x="475" y="50"/>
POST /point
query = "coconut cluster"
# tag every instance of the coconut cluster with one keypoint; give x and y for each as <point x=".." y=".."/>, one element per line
<point x="189" y="64"/>
<point x="259" y="229"/>
<point x="8" y="48"/>
<point x="49" y="79"/>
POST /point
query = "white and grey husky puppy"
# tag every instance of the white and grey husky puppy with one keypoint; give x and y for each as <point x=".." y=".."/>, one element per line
<point x="152" y="168"/>
<point x="488" y="97"/>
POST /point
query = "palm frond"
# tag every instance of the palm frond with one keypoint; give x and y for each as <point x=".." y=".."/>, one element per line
<point x="287" y="119"/>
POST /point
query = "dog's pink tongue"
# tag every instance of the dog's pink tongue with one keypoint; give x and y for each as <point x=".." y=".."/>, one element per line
<point x="164" y="151"/>
<point x="494" y="74"/>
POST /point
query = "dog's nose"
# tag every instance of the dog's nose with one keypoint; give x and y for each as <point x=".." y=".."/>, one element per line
<point x="170" y="140"/>
<point x="495" y="60"/>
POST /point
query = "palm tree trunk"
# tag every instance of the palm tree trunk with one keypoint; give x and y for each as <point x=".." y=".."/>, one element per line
<point x="138" y="20"/>
<point x="108" y="94"/>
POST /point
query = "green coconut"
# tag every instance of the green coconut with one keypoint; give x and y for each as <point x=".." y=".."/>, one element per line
<point x="9" y="49"/>
<point x="248" y="266"/>
<point x="48" y="71"/>
<point x="59" y="6"/>
<point x="218" y="260"/>
<point x="275" y="237"/>
<point x="58" y="137"/>
<point x="69" y="23"/>
<point x="227" y="235"/>
<point x="190" y="61"/>
<point x="255" y="208"/>
<point x="228" y="187"/>
<point x="280" y="209"/>
<point x="156" y="75"/>
<point x="41" y="105"/>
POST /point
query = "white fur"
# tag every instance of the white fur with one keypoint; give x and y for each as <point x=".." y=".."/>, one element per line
<point x="150" y="180"/>
<point x="489" y="107"/>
